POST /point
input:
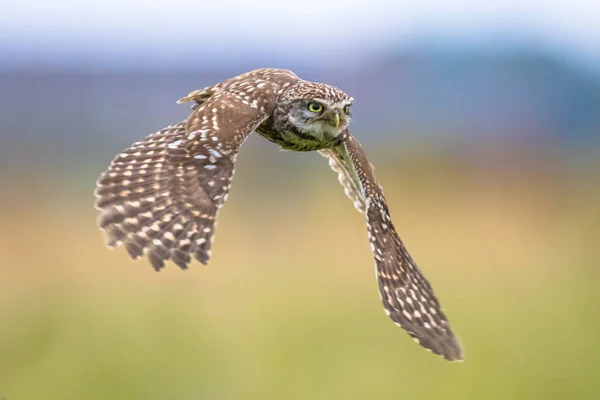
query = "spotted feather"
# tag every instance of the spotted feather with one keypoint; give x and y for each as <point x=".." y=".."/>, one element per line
<point x="407" y="296"/>
<point x="340" y="163"/>
<point x="161" y="196"/>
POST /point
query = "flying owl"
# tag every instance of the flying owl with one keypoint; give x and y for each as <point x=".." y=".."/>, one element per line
<point x="161" y="196"/>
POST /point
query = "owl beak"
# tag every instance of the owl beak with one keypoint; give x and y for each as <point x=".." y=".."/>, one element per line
<point x="336" y="120"/>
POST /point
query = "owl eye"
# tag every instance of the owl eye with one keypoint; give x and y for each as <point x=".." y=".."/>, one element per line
<point x="347" y="109"/>
<point x="315" y="107"/>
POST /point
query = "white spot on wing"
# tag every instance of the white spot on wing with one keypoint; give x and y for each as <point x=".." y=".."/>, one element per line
<point x="215" y="153"/>
<point x="175" y="144"/>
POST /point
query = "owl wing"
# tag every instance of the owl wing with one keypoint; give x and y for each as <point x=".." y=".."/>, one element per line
<point x="161" y="196"/>
<point x="406" y="294"/>
<point x="341" y="164"/>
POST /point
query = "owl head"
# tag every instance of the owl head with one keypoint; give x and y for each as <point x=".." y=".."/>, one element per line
<point x="315" y="109"/>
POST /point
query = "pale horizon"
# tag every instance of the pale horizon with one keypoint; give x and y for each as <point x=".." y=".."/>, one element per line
<point x="106" y="33"/>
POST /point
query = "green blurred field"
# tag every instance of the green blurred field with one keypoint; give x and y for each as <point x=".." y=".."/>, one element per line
<point x="288" y="307"/>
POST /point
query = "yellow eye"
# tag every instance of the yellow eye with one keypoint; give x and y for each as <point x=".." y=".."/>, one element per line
<point x="315" y="107"/>
<point x="347" y="109"/>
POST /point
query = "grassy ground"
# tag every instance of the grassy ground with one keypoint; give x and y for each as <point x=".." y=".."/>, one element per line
<point x="288" y="307"/>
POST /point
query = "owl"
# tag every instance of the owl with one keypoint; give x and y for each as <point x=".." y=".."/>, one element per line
<point x="160" y="197"/>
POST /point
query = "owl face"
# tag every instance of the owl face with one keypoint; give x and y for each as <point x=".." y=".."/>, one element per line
<point x="320" y="117"/>
<point x="318" y="110"/>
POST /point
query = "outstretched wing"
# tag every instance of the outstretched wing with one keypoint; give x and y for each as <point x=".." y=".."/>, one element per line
<point x="407" y="296"/>
<point x="161" y="196"/>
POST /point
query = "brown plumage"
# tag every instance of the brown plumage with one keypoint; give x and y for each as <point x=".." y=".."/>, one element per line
<point x="161" y="196"/>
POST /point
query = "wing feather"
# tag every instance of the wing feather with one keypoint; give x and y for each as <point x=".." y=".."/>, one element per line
<point x="161" y="196"/>
<point x="407" y="295"/>
<point x="341" y="164"/>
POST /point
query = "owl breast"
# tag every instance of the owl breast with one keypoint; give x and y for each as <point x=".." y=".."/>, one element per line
<point x="290" y="138"/>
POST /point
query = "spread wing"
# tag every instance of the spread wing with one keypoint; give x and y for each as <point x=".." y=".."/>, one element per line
<point x="406" y="294"/>
<point x="160" y="197"/>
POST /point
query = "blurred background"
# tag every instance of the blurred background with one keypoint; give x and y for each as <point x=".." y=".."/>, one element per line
<point x="482" y="119"/>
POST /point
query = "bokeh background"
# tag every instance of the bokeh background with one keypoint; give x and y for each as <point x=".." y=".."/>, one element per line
<point x="482" y="119"/>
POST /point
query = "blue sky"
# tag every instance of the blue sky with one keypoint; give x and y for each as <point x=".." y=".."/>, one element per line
<point x="108" y="31"/>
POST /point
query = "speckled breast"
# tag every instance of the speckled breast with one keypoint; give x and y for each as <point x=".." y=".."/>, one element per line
<point x="293" y="139"/>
